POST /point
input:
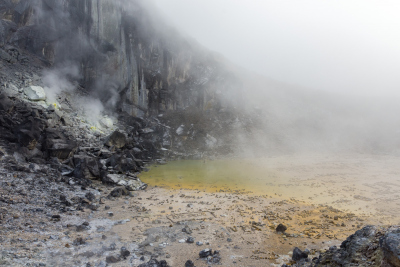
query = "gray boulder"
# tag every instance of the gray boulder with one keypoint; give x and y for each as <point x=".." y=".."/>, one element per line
<point x="116" y="139"/>
<point x="390" y="244"/>
<point x="35" y="93"/>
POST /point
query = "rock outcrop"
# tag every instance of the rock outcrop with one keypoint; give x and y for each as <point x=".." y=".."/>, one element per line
<point x="370" y="246"/>
<point x="126" y="57"/>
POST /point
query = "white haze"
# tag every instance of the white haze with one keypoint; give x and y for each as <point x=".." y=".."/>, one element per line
<point x="345" y="46"/>
<point x="57" y="80"/>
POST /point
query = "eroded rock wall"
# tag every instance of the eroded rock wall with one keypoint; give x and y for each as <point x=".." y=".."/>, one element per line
<point x="128" y="58"/>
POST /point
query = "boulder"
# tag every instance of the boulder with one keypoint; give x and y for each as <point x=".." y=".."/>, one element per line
<point x="155" y="263"/>
<point x="180" y="130"/>
<point x="390" y="244"/>
<point x="35" y="93"/>
<point x="122" y="163"/>
<point x="116" y="139"/>
<point x="298" y="254"/>
<point x="112" y="178"/>
<point x="86" y="167"/>
<point x="189" y="263"/>
<point x="4" y="55"/>
<point x="118" y="192"/>
<point x="106" y="122"/>
<point x="59" y="148"/>
<point x="57" y="145"/>
<point x="112" y="259"/>
<point x="134" y="185"/>
<point x="205" y="253"/>
<point x="29" y="132"/>
<point x="281" y="228"/>
<point x="11" y="90"/>
<point x="5" y="103"/>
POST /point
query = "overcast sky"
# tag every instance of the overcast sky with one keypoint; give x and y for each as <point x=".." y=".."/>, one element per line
<point x="348" y="46"/>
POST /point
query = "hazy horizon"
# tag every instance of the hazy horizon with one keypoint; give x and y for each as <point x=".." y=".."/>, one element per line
<point x="348" y="47"/>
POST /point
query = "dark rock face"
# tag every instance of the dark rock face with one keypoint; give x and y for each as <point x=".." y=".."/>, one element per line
<point x="390" y="244"/>
<point x="86" y="167"/>
<point x="58" y="145"/>
<point x="128" y="58"/>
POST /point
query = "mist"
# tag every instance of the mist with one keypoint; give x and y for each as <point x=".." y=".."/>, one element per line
<point x="302" y="76"/>
<point x="349" y="47"/>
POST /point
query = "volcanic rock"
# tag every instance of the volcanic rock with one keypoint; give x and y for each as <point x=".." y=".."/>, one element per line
<point x="155" y="263"/>
<point x="116" y="139"/>
<point x="35" y="93"/>
<point x="124" y="252"/>
<point x="281" y="228"/>
<point x="135" y="185"/>
<point x="112" y="259"/>
<point x="205" y="253"/>
<point x="390" y="244"/>
<point x="86" y="167"/>
<point x="189" y="263"/>
<point x="118" y="192"/>
<point x="298" y="254"/>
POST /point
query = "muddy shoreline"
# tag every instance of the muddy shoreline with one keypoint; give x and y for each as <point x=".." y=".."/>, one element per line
<point x="155" y="223"/>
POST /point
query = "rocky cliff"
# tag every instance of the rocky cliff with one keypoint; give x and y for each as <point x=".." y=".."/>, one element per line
<point x="125" y="56"/>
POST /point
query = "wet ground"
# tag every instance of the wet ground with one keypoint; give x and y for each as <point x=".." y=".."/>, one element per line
<point x="360" y="183"/>
<point x="233" y="206"/>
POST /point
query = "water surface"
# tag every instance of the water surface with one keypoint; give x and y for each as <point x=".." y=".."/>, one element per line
<point x="359" y="183"/>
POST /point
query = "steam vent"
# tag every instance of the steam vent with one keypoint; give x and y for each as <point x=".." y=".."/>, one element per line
<point x="127" y="141"/>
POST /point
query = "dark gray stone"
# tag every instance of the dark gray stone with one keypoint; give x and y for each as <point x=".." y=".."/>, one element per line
<point x="112" y="259"/>
<point x="281" y="228"/>
<point x="116" y="139"/>
<point x="205" y="253"/>
<point x="390" y="244"/>
<point x="298" y="254"/>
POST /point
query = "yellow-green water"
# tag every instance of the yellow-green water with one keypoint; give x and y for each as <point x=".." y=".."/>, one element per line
<point x="211" y="176"/>
<point x="358" y="183"/>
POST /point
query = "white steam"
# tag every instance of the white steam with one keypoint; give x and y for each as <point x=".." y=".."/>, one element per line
<point x="60" y="80"/>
